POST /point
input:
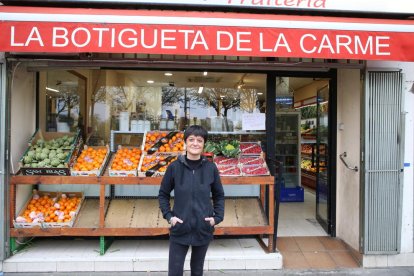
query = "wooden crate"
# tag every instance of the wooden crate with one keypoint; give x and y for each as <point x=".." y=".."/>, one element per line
<point x="96" y="172"/>
<point x="157" y="173"/>
<point x="122" y="173"/>
<point x="43" y="224"/>
<point x="73" y="151"/>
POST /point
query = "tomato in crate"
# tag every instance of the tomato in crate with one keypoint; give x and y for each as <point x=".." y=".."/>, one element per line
<point x="229" y="170"/>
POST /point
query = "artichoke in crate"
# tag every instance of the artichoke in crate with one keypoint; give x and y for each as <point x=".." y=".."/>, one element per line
<point x="31" y="153"/>
<point x="27" y="159"/>
<point x="43" y="156"/>
<point x="55" y="162"/>
<point x="61" y="156"/>
<point x="40" y="142"/>
<point x="52" y="154"/>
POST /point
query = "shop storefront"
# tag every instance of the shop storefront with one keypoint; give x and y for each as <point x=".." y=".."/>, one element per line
<point x="290" y="101"/>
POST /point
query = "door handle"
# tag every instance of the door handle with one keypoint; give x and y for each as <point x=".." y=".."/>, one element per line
<point x="341" y="156"/>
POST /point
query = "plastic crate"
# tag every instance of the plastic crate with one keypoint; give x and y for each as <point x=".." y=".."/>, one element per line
<point x="292" y="194"/>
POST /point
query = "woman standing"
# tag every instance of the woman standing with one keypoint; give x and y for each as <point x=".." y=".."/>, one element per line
<point x="193" y="178"/>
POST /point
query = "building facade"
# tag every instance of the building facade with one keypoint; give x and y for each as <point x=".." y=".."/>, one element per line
<point x="366" y="196"/>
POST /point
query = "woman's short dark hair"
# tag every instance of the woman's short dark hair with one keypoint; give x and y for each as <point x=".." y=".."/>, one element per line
<point x="196" y="130"/>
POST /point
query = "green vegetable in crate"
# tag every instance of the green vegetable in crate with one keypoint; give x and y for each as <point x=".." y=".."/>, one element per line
<point x="55" y="162"/>
<point x="46" y="154"/>
<point x="40" y="142"/>
<point x="211" y="147"/>
<point x="230" y="148"/>
<point x="27" y="159"/>
<point x="43" y="156"/>
<point x="38" y="156"/>
<point x="61" y="156"/>
<point x="52" y="154"/>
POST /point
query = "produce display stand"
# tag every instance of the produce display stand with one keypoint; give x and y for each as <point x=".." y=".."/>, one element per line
<point x="309" y="179"/>
<point x="102" y="217"/>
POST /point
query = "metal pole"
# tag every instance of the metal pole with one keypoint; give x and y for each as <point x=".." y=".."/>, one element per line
<point x="270" y="146"/>
<point x="3" y="156"/>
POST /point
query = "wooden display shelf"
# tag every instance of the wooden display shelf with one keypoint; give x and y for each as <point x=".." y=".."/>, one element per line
<point x="81" y="180"/>
<point x="121" y="217"/>
<point x="308" y="179"/>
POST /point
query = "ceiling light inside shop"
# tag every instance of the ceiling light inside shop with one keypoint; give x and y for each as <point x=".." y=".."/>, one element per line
<point x="259" y="93"/>
<point x="53" y="90"/>
<point x="200" y="89"/>
<point x="205" y="73"/>
<point x="150" y="81"/>
<point x="168" y="74"/>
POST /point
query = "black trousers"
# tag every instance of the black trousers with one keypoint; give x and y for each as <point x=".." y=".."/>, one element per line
<point x="177" y="255"/>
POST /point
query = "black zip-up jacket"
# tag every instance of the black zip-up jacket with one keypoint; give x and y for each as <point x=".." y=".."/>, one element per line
<point x="192" y="202"/>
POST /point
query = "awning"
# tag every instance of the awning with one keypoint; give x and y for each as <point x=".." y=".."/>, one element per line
<point x="68" y="30"/>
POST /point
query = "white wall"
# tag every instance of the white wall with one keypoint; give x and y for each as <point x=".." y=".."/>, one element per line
<point x="348" y="184"/>
<point x="23" y="122"/>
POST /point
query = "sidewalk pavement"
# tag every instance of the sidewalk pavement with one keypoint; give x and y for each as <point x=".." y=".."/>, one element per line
<point x="398" y="271"/>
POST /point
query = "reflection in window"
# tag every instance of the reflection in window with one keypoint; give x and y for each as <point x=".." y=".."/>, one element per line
<point x="64" y="99"/>
<point x="138" y="101"/>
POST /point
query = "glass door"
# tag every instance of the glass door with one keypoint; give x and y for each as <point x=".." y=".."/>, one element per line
<point x="320" y="159"/>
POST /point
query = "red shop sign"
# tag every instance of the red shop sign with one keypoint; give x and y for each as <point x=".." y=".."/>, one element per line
<point x="210" y="39"/>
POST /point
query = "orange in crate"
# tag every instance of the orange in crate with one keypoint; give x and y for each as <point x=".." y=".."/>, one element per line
<point x="125" y="162"/>
<point x="150" y="161"/>
<point x="49" y="207"/>
<point x="90" y="159"/>
<point x="175" y="143"/>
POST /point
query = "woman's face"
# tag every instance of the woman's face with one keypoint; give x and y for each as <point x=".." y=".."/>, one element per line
<point x="194" y="146"/>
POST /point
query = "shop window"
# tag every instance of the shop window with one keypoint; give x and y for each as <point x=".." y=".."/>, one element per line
<point x="62" y="94"/>
<point x="132" y="101"/>
<point x="138" y="101"/>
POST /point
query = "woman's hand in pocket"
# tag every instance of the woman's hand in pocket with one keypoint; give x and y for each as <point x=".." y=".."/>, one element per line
<point x="211" y="220"/>
<point x="174" y="221"/>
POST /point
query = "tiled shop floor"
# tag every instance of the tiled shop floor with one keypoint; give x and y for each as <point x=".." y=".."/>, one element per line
<point x="315" y="252"/>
